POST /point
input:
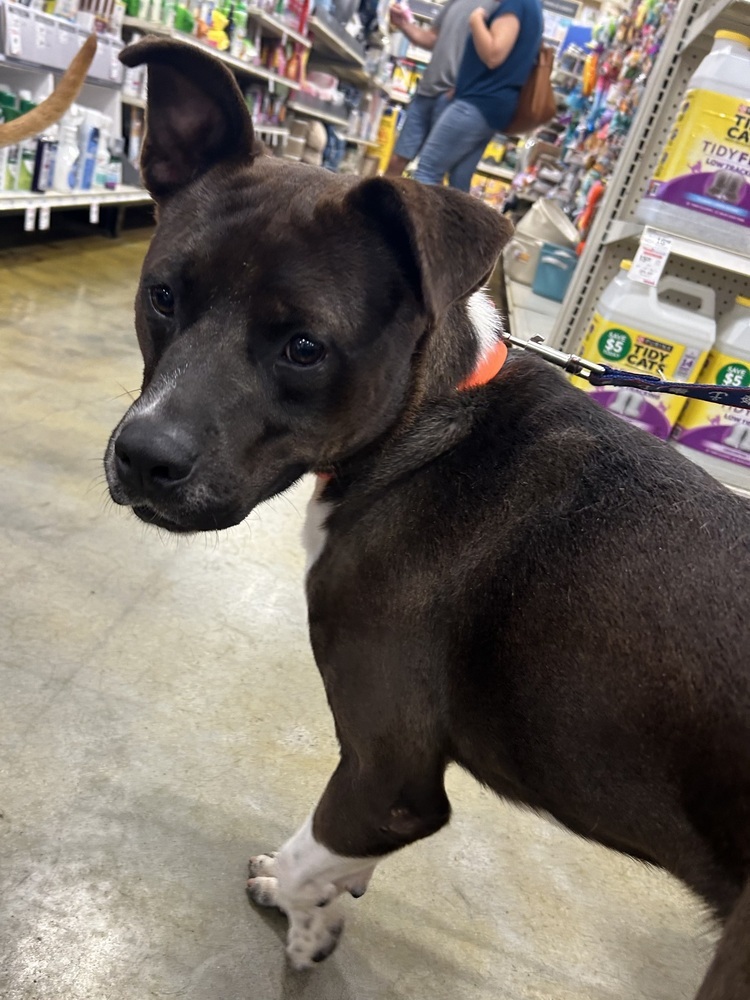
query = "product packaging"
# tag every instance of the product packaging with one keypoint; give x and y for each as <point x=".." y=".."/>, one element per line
<point x="643" y="329"/>
<point x="715" y="436"/>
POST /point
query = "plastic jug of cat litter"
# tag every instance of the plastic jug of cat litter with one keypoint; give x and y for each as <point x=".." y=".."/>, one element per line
<point x="701" y="187"/>
<point x="665" y="330"/>
<point x="718" y="437"/>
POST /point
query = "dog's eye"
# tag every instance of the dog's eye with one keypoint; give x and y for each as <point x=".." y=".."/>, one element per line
<point x="162" y="299"/>
<point x="305" y="351"/>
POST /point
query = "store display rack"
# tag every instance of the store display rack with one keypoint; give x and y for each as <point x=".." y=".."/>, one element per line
<point x="271" y="26"/>
<point x="332" y="39"/>
<point x="493" y="170"/>
<point x="238" y="65"/>
<point x="311" y="107"/>
<point x="616" y="231"/>
<point x="37" y="208"/>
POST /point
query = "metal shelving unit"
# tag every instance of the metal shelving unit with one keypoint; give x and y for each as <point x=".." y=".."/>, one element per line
<point x="492" y="170"/>
<point x="617" y="230"/>
<point x="238" y="65"/>
<point x="331" y="39"/>
<point x="312" y="108"/>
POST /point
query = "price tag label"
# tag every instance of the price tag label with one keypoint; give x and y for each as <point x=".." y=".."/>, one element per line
<point x="283" y="38"/>
<point x="41" y="35"/>
<point x="651" y="258"/>
<point x="114" y="65"/>
<point x="44" y="214"/>
<point x="29" y="219"/>
<point x="63" y="36"/>
<point x="14" y="34"/>
<point x="271" y="86"/>
<point x="94" y="213"/>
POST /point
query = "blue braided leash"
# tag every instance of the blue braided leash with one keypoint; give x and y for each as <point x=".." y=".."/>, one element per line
<point x="725" y="395"/>
<point x="603" y="375"/>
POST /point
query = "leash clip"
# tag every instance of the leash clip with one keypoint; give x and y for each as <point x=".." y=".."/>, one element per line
<point x="571" y="363"/>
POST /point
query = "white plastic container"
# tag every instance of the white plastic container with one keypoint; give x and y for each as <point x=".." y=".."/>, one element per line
<point x="718" y="437"/>
<point x="701" y="187"/>
<point x="65" y="174"/>
<point x="637" y="328"/>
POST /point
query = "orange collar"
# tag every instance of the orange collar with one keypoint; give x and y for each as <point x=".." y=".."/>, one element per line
<point x="487" y="368"/>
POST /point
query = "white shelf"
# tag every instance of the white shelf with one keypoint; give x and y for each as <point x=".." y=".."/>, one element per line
<point x="312" y="112"/>
<point x="20" y="201"/>
<point x="134" y="102"/>
<point x="271" y="130"/>
<point x="491" y="170"/>
<point x="275" y="26"/>
<point x="259" y="72"/>
<point x="360" y="142"/>
<point x="396" y="96"/>
<point x="726" y="14"/>
<point x="727" y="260"/>
<point x="530" y="315"/>
<point x="327" y="39"/>
<point x="704" y="253"/>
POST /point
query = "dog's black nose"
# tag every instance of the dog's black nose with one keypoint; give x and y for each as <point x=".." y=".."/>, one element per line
<point x="151" y="459"/>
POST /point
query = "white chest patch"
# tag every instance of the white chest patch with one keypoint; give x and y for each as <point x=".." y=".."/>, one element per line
<point x="314" y="534"/>
<point x="486" y="320"/>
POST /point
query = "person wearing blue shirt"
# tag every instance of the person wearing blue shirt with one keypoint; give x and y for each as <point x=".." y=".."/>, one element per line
<point x="500" y="54"/>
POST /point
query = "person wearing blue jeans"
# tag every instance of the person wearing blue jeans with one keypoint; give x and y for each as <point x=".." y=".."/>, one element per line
<point x="446" y="38"/>
<point x="500" y="54"/>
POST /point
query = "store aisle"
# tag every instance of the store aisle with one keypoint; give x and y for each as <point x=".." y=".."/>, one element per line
<point x="161" y="719"/>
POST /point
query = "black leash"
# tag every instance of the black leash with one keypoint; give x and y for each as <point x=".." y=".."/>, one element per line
<point x="725" y="395"/>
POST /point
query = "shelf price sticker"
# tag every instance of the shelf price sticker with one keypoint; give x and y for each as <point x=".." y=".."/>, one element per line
<point x="94" y="213"/>
<point x="29" y="219"/>
<point x="14" y="34"/>
<point x="41" y="35"/>
<point x="44" y="214"/>
<point x="114" y="64"/>
<point x="651" y="258"/>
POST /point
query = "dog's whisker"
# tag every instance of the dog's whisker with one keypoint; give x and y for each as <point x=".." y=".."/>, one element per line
<point x="132" y="394"/>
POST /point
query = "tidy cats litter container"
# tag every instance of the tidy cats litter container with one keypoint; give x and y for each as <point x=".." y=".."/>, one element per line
<point x="554" y="271"/>
<point x="718" y="437"/>
<point x="701" y="187"/>
<point x="637" y="328"/>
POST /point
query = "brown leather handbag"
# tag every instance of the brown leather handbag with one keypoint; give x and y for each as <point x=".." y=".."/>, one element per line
<point x="536" y="103"/>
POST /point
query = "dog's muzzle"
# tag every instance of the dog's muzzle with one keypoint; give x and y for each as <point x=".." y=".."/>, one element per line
<point x="151" y="466"/>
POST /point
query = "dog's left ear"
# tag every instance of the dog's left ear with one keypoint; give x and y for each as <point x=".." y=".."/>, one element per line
<point x="196" y="115"/>
<point x="447" y="242"/>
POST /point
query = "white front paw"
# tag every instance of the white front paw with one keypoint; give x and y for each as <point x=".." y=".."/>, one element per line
<point x="263" y="885"/>
<point x="313" y="934"/>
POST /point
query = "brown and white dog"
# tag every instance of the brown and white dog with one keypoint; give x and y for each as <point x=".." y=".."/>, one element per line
<point x="53" y="107"/>
<point x="503" y="576"/>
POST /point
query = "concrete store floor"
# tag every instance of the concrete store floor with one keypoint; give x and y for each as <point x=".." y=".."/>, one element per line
<point x="161" y="719"/>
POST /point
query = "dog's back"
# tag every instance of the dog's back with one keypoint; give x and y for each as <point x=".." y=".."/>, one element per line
<point x="580" y="613"/>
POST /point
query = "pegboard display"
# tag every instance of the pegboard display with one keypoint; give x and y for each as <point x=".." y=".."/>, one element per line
<point x="616" y="229"/>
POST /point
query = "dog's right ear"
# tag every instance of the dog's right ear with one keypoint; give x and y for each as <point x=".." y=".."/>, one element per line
<point x="196" y="116"/>
<point x="447" y="242"/>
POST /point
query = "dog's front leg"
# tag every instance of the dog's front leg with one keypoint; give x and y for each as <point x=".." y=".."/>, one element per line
<point x="358" y="820"/>
<point x="304" y="880"/>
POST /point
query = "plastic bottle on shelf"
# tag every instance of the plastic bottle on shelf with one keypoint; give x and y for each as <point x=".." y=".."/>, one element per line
<point x="237" y="45"/>
<point x="44" y="165"/>
<point x="637" y="328"/>
<point x="715" y="436"/>
<point x="27" y="148"/>
<point x="102" y="153"/>
<point x="701" y="187"/>
<point x="65" y="173"/>
<point x="114" y="170"/>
